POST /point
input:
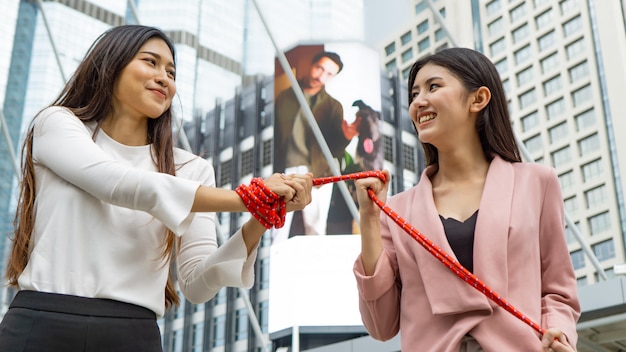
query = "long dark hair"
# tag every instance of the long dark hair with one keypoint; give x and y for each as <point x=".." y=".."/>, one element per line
<point x="475" y="70"/>
<point x="89" y="95"/>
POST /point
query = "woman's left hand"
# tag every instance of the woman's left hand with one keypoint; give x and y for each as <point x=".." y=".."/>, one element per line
<point x="295" y="189"/>
<point x="554" y="340"/>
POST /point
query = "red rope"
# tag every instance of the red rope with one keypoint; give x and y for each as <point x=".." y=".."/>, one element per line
<point x="432" y="248"/>
<point x="266" y="206"/>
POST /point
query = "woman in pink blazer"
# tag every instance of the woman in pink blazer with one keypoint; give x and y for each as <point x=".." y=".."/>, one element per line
<point x="501" y="218"/>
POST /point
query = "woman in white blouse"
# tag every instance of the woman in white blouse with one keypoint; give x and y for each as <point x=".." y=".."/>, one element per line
<point x="106" y="203"/>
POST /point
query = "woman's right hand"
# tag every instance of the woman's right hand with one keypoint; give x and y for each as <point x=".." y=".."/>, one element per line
<point x="366" y="205"/>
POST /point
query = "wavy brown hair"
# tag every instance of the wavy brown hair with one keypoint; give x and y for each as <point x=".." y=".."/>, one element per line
<point x="475" y="70"/>
<point x="89" y="95"/>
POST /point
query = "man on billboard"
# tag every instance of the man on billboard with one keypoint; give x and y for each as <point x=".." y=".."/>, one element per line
<point x="296" y="149"/>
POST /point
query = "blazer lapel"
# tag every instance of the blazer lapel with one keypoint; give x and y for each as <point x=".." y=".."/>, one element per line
<point x="492" y="227"/>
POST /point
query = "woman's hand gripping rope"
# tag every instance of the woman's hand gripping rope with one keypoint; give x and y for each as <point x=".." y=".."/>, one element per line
<point x="270" y="199"/>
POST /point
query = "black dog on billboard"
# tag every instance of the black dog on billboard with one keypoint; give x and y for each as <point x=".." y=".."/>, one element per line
<point x="368" y="151"/>
<point x="368" y="156"/>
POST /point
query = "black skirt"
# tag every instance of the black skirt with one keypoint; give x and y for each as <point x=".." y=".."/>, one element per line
<point x="39" y="321"/>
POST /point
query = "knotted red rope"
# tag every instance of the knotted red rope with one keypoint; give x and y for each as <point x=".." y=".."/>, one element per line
<point x="432" y="248"/>
<point x="266" y="206"/>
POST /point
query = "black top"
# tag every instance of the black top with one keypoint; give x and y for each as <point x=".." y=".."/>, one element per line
<point x="461" y="238"/>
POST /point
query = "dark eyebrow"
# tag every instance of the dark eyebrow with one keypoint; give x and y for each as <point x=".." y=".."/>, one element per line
<point x="158" y="57"/>
<point x="428" y="81"/>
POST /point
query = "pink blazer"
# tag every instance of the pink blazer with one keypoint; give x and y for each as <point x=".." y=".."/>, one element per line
<point x="519" y="251"/>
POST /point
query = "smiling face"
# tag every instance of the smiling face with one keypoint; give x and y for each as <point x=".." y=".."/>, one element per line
<point x="440" y="107"/>
<point x="145" y="87"/>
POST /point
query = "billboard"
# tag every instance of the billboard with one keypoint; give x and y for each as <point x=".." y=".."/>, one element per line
<point x="340" y="83"/>
<point x="312" y="284"/>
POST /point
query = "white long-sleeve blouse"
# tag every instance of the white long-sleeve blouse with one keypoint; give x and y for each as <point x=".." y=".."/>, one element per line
<point x="101" y="216"/>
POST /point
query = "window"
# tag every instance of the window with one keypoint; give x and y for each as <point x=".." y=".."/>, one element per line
<point x="267" y="152"/>
<point x="589" y="144"/>
<point x="388" y="148"/>
<point x="575" y="49"/>
<point x="241" y="327"/>
<point x="558" y="132"/>
<point x="552" y="85"/>
<point x="571" y="205"/>
<point x="578" y="259"/>
<point x="570" y="237"/>
<point x="568" y="5"/>
<point x="528" y="98"/>
<point x="439" y="35"/>
<point x="406" y="38"/>
<point x="530" y="121"/>
<point x="406" y="72"/>
<point x="407" y="55"/>
<point x="549" y="63"/>
<point x="421" y="6"/>
<point x="585" y="119"/>
<point x="247" y="162"/>
<point x="225" y="172"/>
<point x="547" y="40"/>
<point x="264" y="274"/>
<point x="197" y="337"/>
<point x="264" y="315"/>
<point x="422" y="27"/>
<point x="533" y="144"/>
<point x="555" y="108"/>
<point x="572" y="26"/>
<point x="523" y="54"/>
<point x="219" y="331"/>
<point x="544" y="19"/>
<point x="506" y="84"/>
<point x="604" y="250"/>
<point x="409" y="157"/>
<point x="579" y="72"/>
<point x="592" y="170"/>
<point x="525" y="76"/>
<point x="390" y="49"/>
<point x="561" y="157"/>
<point x="582" y="95"/>
<point x="391" y="65"/>
<point x="502" y="66"/>
<point x="521" y="33"/>
<point x="566" y="180"/>
<point x="494" y="7"/>
<point x="423" y="44"/>
<point x="599" y="223"/>
<point x="177" y="341"/>
<point x="595" y="196"/>
<point x="518" y="12"/>
<point x="497" y="47"/>
<point x="496" y="27"/>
